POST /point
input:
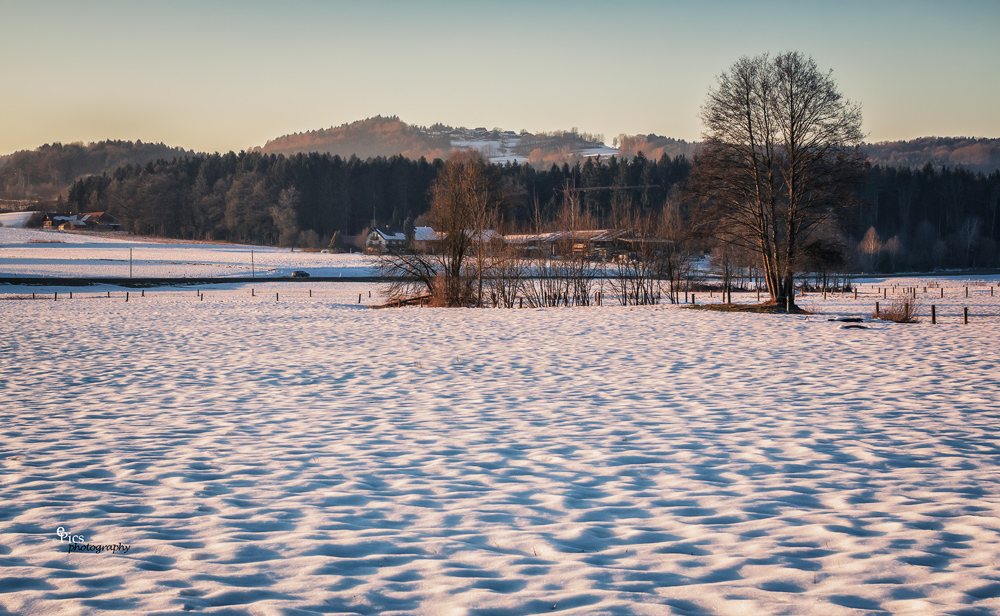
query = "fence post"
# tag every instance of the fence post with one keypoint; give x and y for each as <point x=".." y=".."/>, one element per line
<point x="251" y="292"/>
<point x="942" y="291"/>
<point x="693" y="303"/>
<point x="965" y="315"/>
<point x="876" y="309"/>
<point x="126" y="296"/>
<point x="359" y="298"/>
<point x="884" y="296"/>
<point x="275" y="297"/>
<point x="310" y="292"/>
<point x="933" y="314"/>
<point x="855" y="293"/>
<point x="55" y="296"/>
<point x="967" y="291"/>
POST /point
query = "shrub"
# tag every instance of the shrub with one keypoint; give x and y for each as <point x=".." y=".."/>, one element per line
<point x="901" y="310"/>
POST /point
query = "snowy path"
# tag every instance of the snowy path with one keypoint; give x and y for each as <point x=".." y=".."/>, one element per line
<point x="306" y="456"/>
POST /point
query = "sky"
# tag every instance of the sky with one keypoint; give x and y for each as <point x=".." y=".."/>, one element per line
<point x="220" y="76"/>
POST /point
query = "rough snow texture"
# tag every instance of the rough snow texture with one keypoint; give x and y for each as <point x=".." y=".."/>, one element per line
<point x="303" y="455"/>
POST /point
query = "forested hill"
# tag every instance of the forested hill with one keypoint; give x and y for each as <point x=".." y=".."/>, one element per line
<point x="971" y="154"/>
<point x="378" y="136"/>
<point x="42" y="173"/>
<point x="976" y="155"/>
<point x="655" y="146"/>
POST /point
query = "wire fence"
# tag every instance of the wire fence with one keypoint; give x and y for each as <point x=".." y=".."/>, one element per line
<point x="967" y="301"/>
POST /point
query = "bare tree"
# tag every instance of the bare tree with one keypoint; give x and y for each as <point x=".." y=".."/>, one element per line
<point x="780" y="154"/>
<point x="464" y="198"/>
<point x="871" y="248"/>
<point x="675" y="254"/>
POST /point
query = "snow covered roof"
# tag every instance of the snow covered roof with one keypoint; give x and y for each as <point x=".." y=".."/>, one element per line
<point x="387" y="235"/>
<point x="590" y="235"/>
<point x="425" y="234"/>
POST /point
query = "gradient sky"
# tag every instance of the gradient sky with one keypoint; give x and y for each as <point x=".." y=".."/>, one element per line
<point x="219" y="76"/>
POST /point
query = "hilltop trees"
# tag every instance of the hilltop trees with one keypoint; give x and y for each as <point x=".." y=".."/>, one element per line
<point x="781" y="153"/>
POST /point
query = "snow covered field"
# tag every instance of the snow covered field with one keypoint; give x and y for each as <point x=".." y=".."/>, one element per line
<point x="304" y="455"/>
<point x="35" y="252"/>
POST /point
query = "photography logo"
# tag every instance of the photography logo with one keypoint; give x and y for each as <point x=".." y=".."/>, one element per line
<point x="77" y="543"/>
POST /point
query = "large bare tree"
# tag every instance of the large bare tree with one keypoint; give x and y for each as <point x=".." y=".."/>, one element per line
<point x="780" y="154"/>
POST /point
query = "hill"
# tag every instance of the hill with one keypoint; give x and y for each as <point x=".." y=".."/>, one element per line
<point x="655" y="146"/>
<point x="369" y="138"/>
<point x="390" y="136"/>
<point x="966" y="152"/>
<point x="46" y="171"/>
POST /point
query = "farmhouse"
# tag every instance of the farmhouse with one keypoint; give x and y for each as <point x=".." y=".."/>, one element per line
<point x="88" y="221"/>
<point x="384" y="240"/>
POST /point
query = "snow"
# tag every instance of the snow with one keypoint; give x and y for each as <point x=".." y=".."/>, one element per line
<point x="15" y="219"/>
<point x="299" y="455"/>
<point x="29" y="252"/>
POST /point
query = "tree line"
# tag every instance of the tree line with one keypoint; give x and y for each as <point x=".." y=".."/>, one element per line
<point x="304" y="199"/>
<point x="904" y="219"/>
<point x="44" y="172"/>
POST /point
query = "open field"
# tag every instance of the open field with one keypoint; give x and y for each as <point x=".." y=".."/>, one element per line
<point x="303" y="455"/>
<point x="33" y="252"/>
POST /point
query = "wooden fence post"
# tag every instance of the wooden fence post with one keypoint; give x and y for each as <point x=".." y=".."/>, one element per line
<point x="965" y="315"/>
<point x="876" y="309"/>
<point x="933" y="314"/>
